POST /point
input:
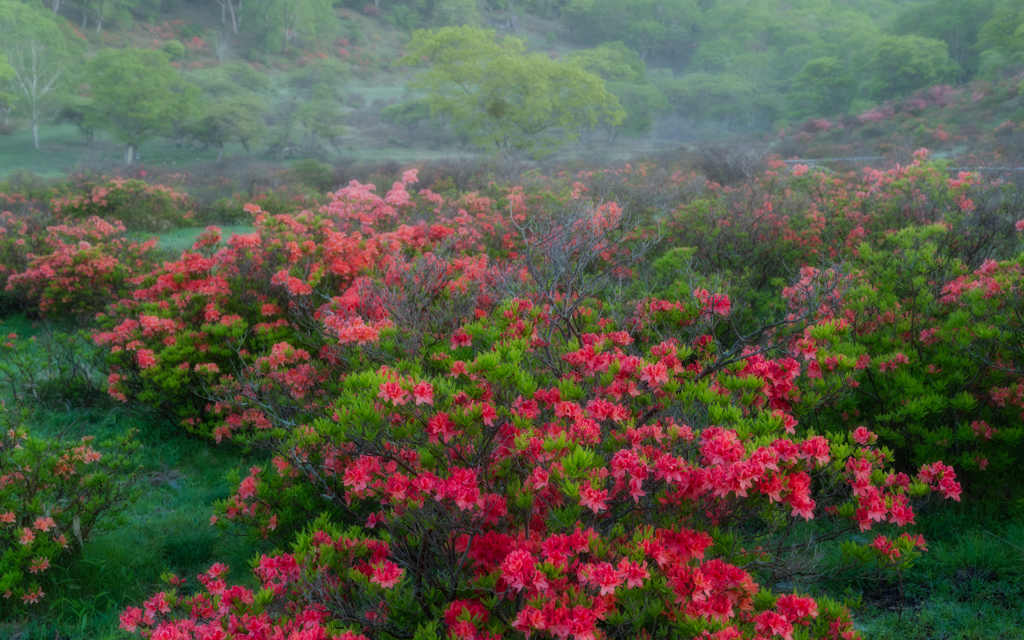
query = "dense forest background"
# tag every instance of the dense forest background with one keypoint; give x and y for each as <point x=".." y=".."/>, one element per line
<point x="289" y="79"/>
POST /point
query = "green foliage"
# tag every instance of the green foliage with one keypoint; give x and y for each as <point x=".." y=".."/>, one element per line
<point x="277" y="24"/>
<point x="322" y="117"/>
<point x="823" y="87"/>
<point x="134" y="203"/>
<point x="707" y="97"/>
<point x="1002" y="32"/>
<point x="325" y="74"/>
<point x="955" y="22"/>
<point x="929" y="392"/>
<point x="409" y="113"/>
<point x="313" y="174"/>
<point x="138" y="95"/>
<point x="626" y="77"/>
<point x="613" y="61"/>
<point x="6" y="73"/>
<point x="56" y="494"/>
<point x="902" y="64"/>
<point x="39" y="50"/>
<point x="504" y="98"/>
<point x="643" y="103"/>
<point x="51" y="367"/>
<point x="455" y="13"/>
<point x="174" y="49"/>
<point x="226" y="119"/>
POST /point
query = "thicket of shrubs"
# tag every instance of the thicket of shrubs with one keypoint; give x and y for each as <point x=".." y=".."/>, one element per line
<point x="530" y="410"/>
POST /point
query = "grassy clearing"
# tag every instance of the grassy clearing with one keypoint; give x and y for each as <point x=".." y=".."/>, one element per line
<point x="180" y="239"/>
<point x="167" y="530"/>
<point x="969" y="586"/>
<point x="64" y="150"/>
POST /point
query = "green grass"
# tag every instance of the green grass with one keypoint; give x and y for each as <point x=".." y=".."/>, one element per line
<point x="167" y="530"/>
<point x="64" y="150"/>
<point x="969" y="586"/>
<point x="179" y="239"/>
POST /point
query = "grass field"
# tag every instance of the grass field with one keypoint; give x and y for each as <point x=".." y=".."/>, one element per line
<point x="180" y="239"/>
<point x="63" y="150"/>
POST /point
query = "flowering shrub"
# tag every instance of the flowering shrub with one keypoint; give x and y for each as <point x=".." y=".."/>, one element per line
<point x="53" y="494"/>
<point x="133" y="203"/>
<point x="561" y="481"/>
<point x="500" y="420"/>
<point x="218" y="311"/>
<point x="86" y="266"/>
<point x="585" y="497"/>
<point x="21" y="234"/>
<point x="942" y="370"/>
<point x="771" y="227"/>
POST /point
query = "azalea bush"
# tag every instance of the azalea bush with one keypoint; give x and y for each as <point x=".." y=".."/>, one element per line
<point x="297" y="279"/>
<point x="557" y="464"/>
<point x="134" y="203"/>
<point x="939" y="341"/>
<point x="761" y="232"/>
<point x="22" y="233"/>
<point x="80" y="269"/>
<point x="55" y="493"/>
<point x="628" y="486"/>
<point x="534" y="410"/>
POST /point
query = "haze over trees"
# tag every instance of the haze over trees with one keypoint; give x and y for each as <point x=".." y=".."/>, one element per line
<point x="665" y="69"/>
<point x="504" y="98"/>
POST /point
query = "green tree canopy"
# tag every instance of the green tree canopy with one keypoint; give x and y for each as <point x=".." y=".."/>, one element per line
<point x="823" y="87"/>
<point x="504" y="98"/>
<point x="39" y="50"/>
<point x="138" y="95"/>
<point x="642" y="103"/>
<point x="451" y="13"/>
<point x="409" y="113"/>
<point x="1001" y="38"/>
<point x="6" y="72"/>
<point x="5" y="68"/>
<point x="720" y="98"/>
<point x="233" y="117"/>
<point x="902" y="64"/>
<point x="229" y="80"/>
<point x="955" y="22"/>
<point x="279" y="23"/>
<point x="626" y="77"/>
<point x="613" y="61"/>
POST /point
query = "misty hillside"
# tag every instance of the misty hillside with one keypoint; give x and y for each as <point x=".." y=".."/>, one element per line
<point x="287" y="79"/>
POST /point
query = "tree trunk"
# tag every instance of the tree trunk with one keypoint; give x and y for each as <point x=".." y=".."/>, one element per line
<point x="56" y="6"/>
<point x="35" y="135"/>
<point x="129" y="154"/>
<point x="234" y="21"/>
<point x="220" y="153"/>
